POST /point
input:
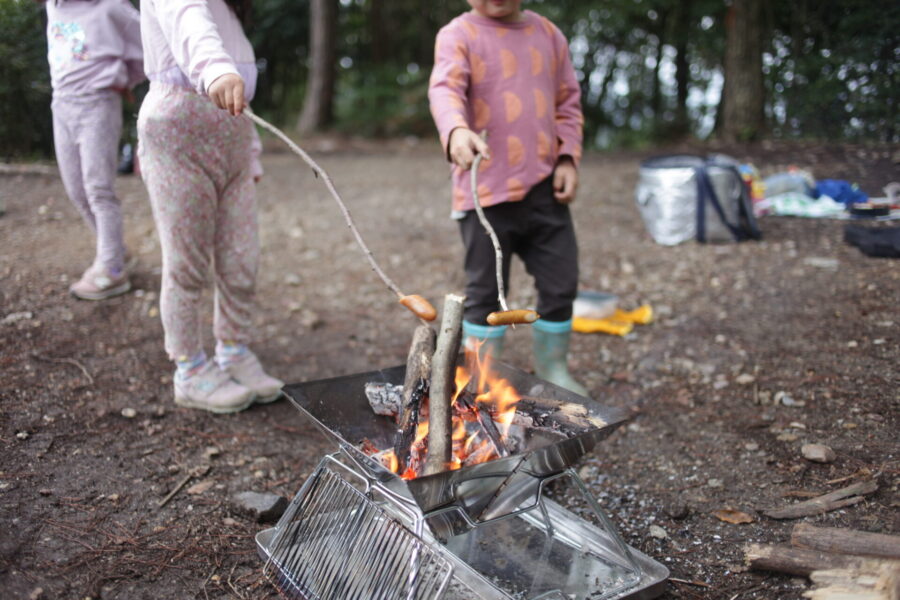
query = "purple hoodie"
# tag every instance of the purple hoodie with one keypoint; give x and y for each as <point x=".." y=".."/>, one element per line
<point x="93" y="45"/>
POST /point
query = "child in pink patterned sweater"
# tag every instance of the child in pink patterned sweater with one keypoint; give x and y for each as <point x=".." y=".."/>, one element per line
<point x="507" y="72"/>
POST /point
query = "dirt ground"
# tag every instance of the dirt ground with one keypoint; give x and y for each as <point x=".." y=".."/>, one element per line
<point x="757" y="349"/>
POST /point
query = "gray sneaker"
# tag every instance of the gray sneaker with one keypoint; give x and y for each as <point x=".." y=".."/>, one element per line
<point x="212" y="389"/>
<point x="248" y="371"/>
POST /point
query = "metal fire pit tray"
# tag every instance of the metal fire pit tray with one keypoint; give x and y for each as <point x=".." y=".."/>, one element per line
<point x="492" y="523"/>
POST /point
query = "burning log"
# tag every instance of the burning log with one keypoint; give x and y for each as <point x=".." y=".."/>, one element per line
<point x="443" y="367"/>
<point x="482" y="414"/>
<point x="415" y="389"/>
<point x="545" y="413"/>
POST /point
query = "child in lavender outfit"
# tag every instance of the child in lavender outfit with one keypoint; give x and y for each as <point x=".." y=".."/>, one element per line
<point x="94" y="51"/>
<point x="199" y="165"/>
<point x="506" y="71"/>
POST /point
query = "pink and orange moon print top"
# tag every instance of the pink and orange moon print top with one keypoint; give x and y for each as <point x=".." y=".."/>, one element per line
<point x="516" y="81"/>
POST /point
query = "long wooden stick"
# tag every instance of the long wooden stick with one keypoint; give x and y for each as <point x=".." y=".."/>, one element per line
<point x="319" y="171"/>
<point x="443" y="369"/>
<point x="498" y="252"/>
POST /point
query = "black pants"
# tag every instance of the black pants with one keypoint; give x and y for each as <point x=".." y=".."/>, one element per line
<point x="539" y="229"/>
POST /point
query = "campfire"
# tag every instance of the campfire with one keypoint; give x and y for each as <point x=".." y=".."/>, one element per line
<point x="483" y="412"/>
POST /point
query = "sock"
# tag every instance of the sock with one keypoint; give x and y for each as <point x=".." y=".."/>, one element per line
<point x="187" y="366"/>
<point x="229" y="352"/>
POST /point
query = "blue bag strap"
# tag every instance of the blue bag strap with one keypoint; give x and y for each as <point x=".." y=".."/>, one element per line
<point x="707" y="193"/>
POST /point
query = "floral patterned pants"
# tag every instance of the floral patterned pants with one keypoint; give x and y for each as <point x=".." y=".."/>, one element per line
<point x="195" y="160"/>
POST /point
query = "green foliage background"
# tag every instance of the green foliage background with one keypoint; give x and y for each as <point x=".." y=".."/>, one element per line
<point x="832" y="67"/>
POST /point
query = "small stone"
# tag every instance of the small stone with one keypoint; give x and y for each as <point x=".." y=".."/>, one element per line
<point x="292" y="279"/>
<point x="129" y="413"/>
<point x="211" y="451"/>
<point x="788" y="437"/>
<point x="818" y="453"/>
<point x="677" y="510"/>
<point x="658" y="532"/>
<point x="229" y="522"/>
<point x="786" y="399"/>
<point x="45" y="491"/>
<point x="852" y="344"/>
<point x="744" y="379"/>
<point x="16" y="316"/>
<point x="849" y="425"/>
<point x="201" y="487"/>
<point x="23" y="435"/>
<point x="262" y="507"/>
<point x="751" y="446"/>
<point x="821" y="262"/>
<point x="113" y="497"/>
<point x="878" y="341"/>
<point x="153" y="312"/>
<point x="714" y="483"/>
<point x="36" y="594"/>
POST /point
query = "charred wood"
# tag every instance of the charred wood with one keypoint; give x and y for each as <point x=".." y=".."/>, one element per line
<point x="415" y="390"/>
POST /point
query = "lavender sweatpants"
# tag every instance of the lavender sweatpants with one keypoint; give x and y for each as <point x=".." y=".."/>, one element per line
<point x="86" y="132"/>
<point x="195" y="160"/>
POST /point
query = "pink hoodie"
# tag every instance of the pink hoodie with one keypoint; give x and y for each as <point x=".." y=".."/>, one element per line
<point x="516" y="81"/>
<point x="93" y="45"/>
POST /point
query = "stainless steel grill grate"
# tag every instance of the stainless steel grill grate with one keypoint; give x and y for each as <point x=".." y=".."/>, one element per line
<point x="335" y="543"/>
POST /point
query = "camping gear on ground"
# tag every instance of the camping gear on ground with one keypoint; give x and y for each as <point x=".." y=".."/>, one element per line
<point x="793" y="180"/>
<point x="842" y="191"/>
<point x="594" y="305"/>
<point x="880" y="242"/>
<point x="683" y="197"/>
<point x="620" y="322"/>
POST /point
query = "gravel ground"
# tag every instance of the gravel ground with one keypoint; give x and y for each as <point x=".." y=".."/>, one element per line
<point x="756" y="349"/>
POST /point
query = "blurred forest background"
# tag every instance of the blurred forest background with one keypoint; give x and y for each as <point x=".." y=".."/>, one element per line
<point x="651" y="72"/>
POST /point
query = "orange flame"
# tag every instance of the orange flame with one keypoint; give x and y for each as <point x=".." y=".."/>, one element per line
<point x="495" y="397"/>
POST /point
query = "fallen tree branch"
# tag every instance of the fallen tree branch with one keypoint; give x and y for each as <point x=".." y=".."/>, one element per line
<point x="846" y="541"/>
<point x="796" y="561"/>
<point x="846" y="496"/>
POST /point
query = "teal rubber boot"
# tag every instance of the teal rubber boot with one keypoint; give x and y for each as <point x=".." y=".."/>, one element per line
<point x="490" y="338"/>
<point x="551" y="352"/>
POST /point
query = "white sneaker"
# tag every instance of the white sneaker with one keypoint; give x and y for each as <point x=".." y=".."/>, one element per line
<point x="212" y="389"/>
<point x="248" y="371"/>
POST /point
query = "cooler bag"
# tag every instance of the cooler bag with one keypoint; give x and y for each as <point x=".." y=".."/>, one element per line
<point x="684" y="197"/>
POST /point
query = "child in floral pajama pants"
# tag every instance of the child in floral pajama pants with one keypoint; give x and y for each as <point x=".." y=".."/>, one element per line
<point x="199" y="168"/>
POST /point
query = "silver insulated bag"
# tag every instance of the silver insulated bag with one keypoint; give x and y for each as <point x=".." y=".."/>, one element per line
<point x="683" y="197"/>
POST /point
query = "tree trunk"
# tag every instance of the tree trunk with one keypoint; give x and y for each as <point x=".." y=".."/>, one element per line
<point x="317" y="105"/>
<point x="743" y="115"/>
<point x="682" y="126"/>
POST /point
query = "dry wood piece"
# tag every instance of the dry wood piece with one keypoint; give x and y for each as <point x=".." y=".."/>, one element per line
<point x="882" y="583"/>
<point x="443" y="367"/>
<point x="384" y="398"/>
<point x="796" y="561"/>
<point x="846" y="541"/>
<point x="468" y="405"/>
<point x="845" y="496"/>
<point x="415" y="389"/>
<point x="546" y="412"/>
